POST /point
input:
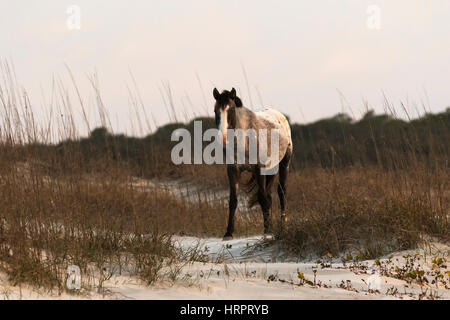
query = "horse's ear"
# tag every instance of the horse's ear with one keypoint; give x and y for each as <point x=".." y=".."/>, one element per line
<point x="216" y="93"/>
<point x="235" y="98"/>
<point x="233" y="93"/>
<point x="238" y="102"/>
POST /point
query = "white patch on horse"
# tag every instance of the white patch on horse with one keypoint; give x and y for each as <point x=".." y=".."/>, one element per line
<point x="223" y="123"/>
<point x="273" y="119"/>
<point x="276" y="118"/>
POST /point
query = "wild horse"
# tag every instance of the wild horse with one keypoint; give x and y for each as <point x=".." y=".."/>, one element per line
<point x="231" y="114"/>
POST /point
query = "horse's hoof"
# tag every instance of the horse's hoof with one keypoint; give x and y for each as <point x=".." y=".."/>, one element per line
<point x="227" y="237"/>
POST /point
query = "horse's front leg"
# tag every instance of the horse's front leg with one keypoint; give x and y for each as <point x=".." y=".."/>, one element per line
<point x="233" y="179"/>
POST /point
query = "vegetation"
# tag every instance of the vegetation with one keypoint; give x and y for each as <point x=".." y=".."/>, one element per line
<point x="372" y="185"/>
<point x="337" y="142"/>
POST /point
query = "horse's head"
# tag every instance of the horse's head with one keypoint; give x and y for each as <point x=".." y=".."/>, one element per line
<point x="225" y="110"/>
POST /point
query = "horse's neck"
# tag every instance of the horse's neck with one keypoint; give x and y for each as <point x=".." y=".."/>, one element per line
<point x="244" y="118"/>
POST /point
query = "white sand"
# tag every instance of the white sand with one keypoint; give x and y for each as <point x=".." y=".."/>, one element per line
<point x="240" y="270"/>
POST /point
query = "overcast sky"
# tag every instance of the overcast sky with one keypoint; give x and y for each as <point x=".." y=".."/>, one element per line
<point x="298" y="55"/>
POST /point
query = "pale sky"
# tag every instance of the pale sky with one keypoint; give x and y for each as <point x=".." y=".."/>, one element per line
<point x="298" y="55"/>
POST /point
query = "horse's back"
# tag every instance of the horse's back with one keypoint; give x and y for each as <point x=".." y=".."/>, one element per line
<point x="273" y="119"/>
<point x="276" y="120"/>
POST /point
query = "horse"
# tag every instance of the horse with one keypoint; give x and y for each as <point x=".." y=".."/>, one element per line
<point x="231" y="114"/>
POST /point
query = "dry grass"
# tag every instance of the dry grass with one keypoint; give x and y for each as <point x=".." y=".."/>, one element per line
<point x="50" y="223"/>
<point x="55" y="217"/>
<point x="369" y="210"/>
<point x="58" y="210"/>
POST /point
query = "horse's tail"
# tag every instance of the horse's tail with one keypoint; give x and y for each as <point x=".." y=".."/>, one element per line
<point x="251" y="188"/>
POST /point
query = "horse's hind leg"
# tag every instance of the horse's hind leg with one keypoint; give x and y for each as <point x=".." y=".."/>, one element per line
<point x="283" y="173"/>
<point x="264" y="198"/>
<point x="233" y="179"/>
